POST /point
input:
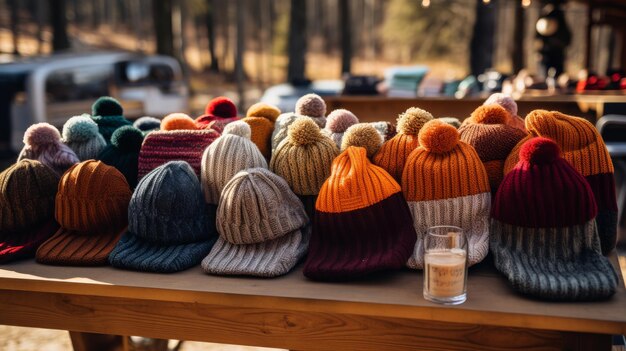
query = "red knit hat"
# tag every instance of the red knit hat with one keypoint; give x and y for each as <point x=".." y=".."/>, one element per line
<point x="219" y="109"/>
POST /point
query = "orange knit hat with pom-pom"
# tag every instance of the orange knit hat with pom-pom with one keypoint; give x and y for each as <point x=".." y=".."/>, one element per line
<point x="261" y="118"/>
<point x="392" y="155"/>
<point x="445" y="183"/>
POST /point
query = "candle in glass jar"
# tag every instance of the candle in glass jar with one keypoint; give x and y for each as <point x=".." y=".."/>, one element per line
<point x="445" y="272"/>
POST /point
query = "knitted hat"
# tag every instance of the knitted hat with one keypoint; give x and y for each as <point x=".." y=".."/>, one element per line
<point x="230" y="153"/>
<point x="363" y="135"/>
<point x="178" y="121"/>
<point x="168" y="227"/>
<point x="510" y="106"/>
<point x="313" y="106"/>
<point x="123" y="152"/>
<point x="27" y="191"/>
<point x="392" y="155"/>
<point x="337" y="122"/>
<point x="42" y="142"/>
<point x="445" y="183"/>
<point x="386" y="129"/>
<point x="162" y="146"/>
<point x="543" y="233"/>
<point x="92" y="209"/>
<point x="81" y="134"/>
<point x="362" y="223"/>
<point x="147" y="124"/>
<point x="281" y="127"/>
<point x="262" y="227"/>
<point x="261" y="118"/>
<point x="583" y="147"/>
<point x="109" y="115"/>
<point x="219" y="109"/>
<point x="311" y="151"/>
<point x="451" y="121"/>
<point x="492" y="139"/>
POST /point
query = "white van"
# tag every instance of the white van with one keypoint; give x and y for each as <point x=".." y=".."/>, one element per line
<point x="56" y="87"/>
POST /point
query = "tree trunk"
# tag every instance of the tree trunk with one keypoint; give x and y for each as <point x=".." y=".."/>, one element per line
<point x="210" y="28"/>
<point x="518" y="39"/>
<point x="15" y="11"/>
<point x="297" y="42"/>
<point x="481" y="46"/>
<point x="346" y="36"/>
<point x="41" y="23"/>
<point x="240" y="47"/>
<point x="162" y="14"/>
<point x="58" y="20"/>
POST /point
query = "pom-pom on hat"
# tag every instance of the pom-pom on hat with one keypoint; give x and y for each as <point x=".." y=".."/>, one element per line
<point x="582" y="146"/>
<point x="108" y="115"/>
<point x="168" y="225"/>
<point x="510" y="106"/>
<point x="219" y="109"/>
<point x="81" y="134"/>
<point x="337" y="123"/>
<point x="493" y="140"/>
<point x="312" y="106"/>
<point x="92" y="208"/>
<point x="178" y="121"/>
<point x="392" y="155"/>
<point x="362" y="223"/>
<point x="27" y="191"/>
<point x="363" y="135"/>
<point x="147" y="124"/>
<point x="42" y="142"/>
<point x="230" y="153"/>
<point x="545" y="241"/>
<point x="263" y="227"/>
<point x="445" y="183"/>
<point x="123" y="153"/>
<point x="261" y="118"/>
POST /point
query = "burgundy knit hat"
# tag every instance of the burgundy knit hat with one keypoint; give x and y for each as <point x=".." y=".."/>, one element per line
<point x="162" y="146"/>
<point x="219" y="109"/>
<point x="362" y="224"/>
<point x="27" y="191"/>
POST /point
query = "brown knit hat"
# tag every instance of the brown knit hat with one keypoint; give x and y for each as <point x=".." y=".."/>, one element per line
<point x="392" y="155"/>
<point x="92" y="209"/>
<point x="27" y="192"/>
<point x="305" y="157"/>
<point x="492" y="138"/>
<point x="261" y="118"/>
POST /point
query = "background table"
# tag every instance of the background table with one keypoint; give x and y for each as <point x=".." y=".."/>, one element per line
<point x="384" y="312"/>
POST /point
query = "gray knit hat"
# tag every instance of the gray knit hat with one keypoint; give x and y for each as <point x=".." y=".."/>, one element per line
<point x="546" y="241"/>
<point x="81" y="134"/>
<point x="232" y="152"/>
<point x="147" y="124"/>
<point x="168" y="226"/>
<point x="263" y="227"/>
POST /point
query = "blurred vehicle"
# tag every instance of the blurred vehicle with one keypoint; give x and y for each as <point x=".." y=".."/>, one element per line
<point x="284" y="96"/>
<point x="56" y="87"/>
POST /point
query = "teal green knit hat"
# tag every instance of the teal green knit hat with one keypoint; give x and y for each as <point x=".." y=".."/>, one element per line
<point x="123" y="152"/>
<point x="109" y="115"/>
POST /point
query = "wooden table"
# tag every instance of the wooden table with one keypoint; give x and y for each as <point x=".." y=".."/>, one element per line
<point x="383" y="313"/>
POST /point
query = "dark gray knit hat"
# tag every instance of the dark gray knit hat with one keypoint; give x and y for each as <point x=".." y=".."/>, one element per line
<point x="147" y="124"/>
<point x="543" y="229"/>
<point x="262" y="226"/>
<point x="168" y="226"/>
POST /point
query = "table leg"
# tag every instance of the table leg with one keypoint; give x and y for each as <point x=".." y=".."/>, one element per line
<point x="95" y="342"/>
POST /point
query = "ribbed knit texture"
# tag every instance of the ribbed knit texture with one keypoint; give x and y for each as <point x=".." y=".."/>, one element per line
<point x="42" y="142"/>
<point x="260" y="221"/>
<point x="544" y="236"/>
<point x="392" y="155"/>
<point x="349" y="239"/>
<point x="582" y="146"/>
<point x="226" y="156"/>
<point x="275" y="209"/>
<point x="160" y="147"/>
<point x="168" y="225"/>
<point x="445" y="183"/>
<point x="123" y="153"/>
<point x="81" y="134"/>
<point x="304" y="158"/>
<point x="91" y="207"/>
<point x="27" y="191"/>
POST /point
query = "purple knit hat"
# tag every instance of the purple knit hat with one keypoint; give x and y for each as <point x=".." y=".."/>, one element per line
<point x="42" y="142"/>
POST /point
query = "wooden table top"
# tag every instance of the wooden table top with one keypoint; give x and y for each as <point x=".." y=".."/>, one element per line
<point x="491" y="301"/>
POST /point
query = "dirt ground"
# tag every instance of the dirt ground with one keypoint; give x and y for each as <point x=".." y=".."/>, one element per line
<point x="31" y="339"/>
